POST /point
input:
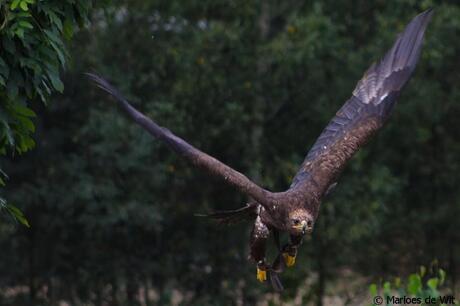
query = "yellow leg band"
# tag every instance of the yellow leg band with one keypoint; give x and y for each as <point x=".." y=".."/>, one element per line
<point x="261" y="275"/>
<point x="288" y="259"/>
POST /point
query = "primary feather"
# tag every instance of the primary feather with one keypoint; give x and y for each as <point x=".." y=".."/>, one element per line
<point x="366" y="111"/>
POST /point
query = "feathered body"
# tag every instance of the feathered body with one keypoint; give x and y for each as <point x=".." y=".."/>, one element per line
<point x="295" y="210"/>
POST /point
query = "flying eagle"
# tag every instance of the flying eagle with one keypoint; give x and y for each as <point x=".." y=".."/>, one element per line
<point x="295" y="210"/>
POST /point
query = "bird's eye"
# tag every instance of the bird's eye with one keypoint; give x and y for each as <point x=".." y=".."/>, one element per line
<point x="309" y="223"/>
<point x="296" y="221"/>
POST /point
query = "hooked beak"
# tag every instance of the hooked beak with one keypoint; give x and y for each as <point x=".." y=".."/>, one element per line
<point x="304" y="227"/>
<point x="307" y="227"/>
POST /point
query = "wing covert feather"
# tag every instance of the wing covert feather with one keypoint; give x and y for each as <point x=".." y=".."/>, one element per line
<point x="186" y="150"/>
<point x="366" y="111"/>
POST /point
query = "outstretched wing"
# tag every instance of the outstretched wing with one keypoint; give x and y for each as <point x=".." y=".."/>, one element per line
<point x="366" y="111"/>
<point x="187" y="151"/>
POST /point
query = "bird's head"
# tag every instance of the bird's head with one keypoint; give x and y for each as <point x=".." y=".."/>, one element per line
<point x="300" y="222"/>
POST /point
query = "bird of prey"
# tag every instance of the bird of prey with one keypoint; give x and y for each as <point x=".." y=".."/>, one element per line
<point x="295" y="210"/>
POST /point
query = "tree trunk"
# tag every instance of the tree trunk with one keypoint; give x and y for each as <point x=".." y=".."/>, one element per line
<point x="131" y="288"/>
<point x="32" y="284"/>
<point x="260" y="103"/>
<point x="146" y="292"/>
<point x="114" y="292"/>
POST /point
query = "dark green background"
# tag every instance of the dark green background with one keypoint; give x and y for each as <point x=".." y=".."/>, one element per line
<point x="252" y="83"/>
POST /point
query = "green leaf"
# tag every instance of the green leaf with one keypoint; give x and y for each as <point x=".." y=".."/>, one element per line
<point x="27" y="123"/>
<point x="68" y="29"/>
<point x="373" y="289"/>
<point x="14" y="4"/>
<point x="422" y="271"/>
<point x="24" y="5"/>
<point x="24" y="143"/>
<point x="55" y="19"/>
<point x="59" y="49"/>
<point x="53" y="36"/>
<point x="442" y="276"/>
<point x="24" y="111"/>
<point x="9" y="135"/>
<point x="24" y="14"/>
<point x="19" y="33"/>
<point x="2" y="173"/>
<point x="433" y="283"/>
<point x="387" y="288"/>
<point x="56" y="81"/>
<point x="18" y="215"/>
<point x="415" y="284"/>
<point x="397" y="282"/>
<point x="26" y="24"/>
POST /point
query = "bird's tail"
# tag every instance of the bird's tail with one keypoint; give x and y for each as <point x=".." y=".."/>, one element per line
<point x="276" y="281"/>
<point x="227" y="217"/>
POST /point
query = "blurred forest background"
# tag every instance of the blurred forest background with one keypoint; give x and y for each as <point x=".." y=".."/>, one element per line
<point x="252" y="83"/>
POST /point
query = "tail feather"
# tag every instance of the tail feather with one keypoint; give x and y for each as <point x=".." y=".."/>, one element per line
<point x="276" y="281"/>
<point x="228" y="217"/>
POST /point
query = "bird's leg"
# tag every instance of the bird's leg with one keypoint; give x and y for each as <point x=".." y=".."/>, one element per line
<point x="290" y="250"/>
<point x="259" y="236"/>
<point x="262" y="271"/>
<point x="278" y="264"/>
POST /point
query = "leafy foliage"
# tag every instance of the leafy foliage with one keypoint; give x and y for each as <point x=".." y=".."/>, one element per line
<point x="32" y="51"/>
<point x="12" y="210"/>
<point x="419" y="286"/>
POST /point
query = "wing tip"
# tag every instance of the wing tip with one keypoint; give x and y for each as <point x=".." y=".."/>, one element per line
<point x="419" y="23"/>
<point x="100" y="81"/>
<point x="104" y="85"/>
<point x="406" y="49"/>
<point x="428" y="12"/>
<point x="424" y="17"/>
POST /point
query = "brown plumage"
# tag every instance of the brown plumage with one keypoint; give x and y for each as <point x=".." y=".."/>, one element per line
<point x="294" y="211"/>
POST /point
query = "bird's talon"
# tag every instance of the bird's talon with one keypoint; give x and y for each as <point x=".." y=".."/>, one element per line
<point x="261" y="275"/>
<point x="288" y="259"/>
